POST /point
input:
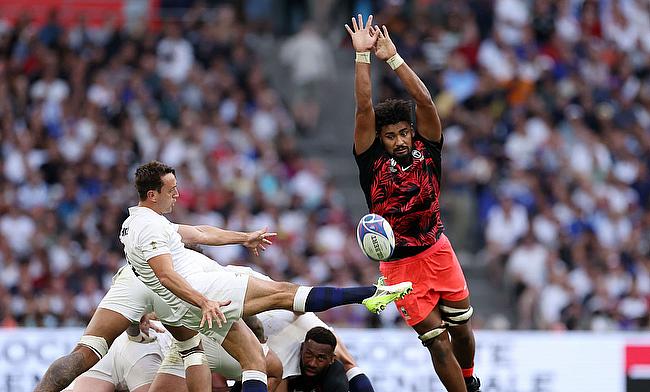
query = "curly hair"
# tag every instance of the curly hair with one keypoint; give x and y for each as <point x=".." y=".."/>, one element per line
<point x="149" y="177"/>
<point x="321" y="335"/>
<point x="392" y="111"/>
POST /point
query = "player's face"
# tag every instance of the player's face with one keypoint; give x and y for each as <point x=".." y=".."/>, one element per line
<point x="315" y="357"/>
<point x="166" y="199"/>
<point x="397" y="139"/>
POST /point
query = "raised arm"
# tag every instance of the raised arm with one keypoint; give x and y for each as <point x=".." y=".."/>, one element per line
<point x="426" y="115"/>
<point x="363" y="40"/>
<point x="210" y="235"/>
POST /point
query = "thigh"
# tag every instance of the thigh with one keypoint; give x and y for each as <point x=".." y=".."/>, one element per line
<point x="431" y="321"/>
<point x="462" y="304"/>
<point x="127" y="296"/>
<point x="107" y="324"/>
<point x="180" y="333"/>
<point x="262" y="295"/>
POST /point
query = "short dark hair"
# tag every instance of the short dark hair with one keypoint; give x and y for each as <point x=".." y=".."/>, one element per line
<point x="321" y="335"/>
<point x="392" y="111"/>
<point x="149" y="177"/>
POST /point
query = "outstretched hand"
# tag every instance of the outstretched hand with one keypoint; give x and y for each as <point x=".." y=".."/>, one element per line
<point x="384" y="47"/>
<point x="363" y="38"/>
<point x="259" y="240"/>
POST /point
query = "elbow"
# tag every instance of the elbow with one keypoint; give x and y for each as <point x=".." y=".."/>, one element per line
<point x="424" y="100"/>
<point x="364" y="108"/>
<point x="164" y="279"/>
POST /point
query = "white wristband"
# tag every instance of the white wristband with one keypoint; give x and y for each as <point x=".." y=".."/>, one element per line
<point x="395" y="61"/>
<point x="362" y="57"/>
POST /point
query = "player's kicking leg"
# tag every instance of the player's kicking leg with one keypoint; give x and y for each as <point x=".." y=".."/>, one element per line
<point x="263" y="295"/>
<point x="104" y="327"/>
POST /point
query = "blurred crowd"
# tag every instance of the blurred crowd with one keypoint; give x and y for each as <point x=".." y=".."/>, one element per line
<point x="81" y="107"/>
<point x="546" y="109"/>
<point x="546" y="115"/>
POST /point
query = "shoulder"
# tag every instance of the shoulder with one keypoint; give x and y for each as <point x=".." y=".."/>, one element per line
<point x="422" y="144"/>
<point x="374" y="150"/>
<point x="419" y="139"/>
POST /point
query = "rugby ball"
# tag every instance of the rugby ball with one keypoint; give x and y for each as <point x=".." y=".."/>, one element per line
<point x="375" y="237"/>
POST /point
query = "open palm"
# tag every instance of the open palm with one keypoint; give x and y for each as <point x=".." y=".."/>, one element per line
<point x="363" y="38"/>
<point x="384" y="48"/>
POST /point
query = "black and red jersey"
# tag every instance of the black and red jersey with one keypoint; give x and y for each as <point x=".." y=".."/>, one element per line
<point x="406" y="196"/>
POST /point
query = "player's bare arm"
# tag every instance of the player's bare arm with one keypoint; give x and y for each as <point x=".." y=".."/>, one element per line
<point x="363" y="40"/>
<point x="163" y="267"/>
<point x="214" y="236"/>
<point x="426" y="115"/>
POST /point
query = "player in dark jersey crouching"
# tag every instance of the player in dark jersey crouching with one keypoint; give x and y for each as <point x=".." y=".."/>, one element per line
<point x="400" y="172"/>
<point x="319" y="368"/>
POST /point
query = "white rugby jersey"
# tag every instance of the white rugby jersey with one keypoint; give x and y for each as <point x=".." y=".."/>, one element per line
<point x="146" y="234"/>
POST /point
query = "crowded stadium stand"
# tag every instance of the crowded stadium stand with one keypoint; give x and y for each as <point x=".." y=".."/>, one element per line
<point x="546" y="165"/>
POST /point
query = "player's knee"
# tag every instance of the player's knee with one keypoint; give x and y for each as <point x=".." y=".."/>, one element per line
<point x="434" y="336"/>
<point x="281" y="295"/>
<point x="437" y="342"/>
<point x="96" y="344"/>
<point x="455" y="316"/>
<point x="191" y="351"/>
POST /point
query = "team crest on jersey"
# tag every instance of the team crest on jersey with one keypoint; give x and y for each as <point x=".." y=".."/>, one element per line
<point x="417" y="155"/>
<point x="393" y="163"/>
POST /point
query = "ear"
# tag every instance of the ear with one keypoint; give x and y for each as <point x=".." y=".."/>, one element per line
<point x="152" y="195"/>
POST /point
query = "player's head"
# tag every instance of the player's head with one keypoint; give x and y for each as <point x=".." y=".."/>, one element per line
<point x="317" y="351"/>
<point x="394" y="128"/>
<point x="156" y="185"/>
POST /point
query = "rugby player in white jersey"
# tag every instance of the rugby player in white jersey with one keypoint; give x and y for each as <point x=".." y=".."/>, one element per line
<point x="123" y="305"/>
<point x="213" y="302"/>
<point x="284" y="331"/>
<point x="135" y="358"/>
<point x="130" y="364"/>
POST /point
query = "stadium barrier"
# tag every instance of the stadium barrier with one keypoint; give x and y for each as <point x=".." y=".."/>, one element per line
<point x="395" y="360"/>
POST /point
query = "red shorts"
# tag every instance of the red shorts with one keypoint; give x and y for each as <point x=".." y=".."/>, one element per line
<point x="435" y="274"/>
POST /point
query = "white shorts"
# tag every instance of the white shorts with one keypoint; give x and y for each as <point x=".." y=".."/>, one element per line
<point x="218" y="359"/>
<point x="223" y="284"/>
<point x="128" y="296"/>
<point x="131" y="298"/>
<point x="129" y="365"/>
<point x="286" y="331"/>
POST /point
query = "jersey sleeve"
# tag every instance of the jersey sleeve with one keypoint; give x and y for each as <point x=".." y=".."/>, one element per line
<point x="153" y="241"/>
<point x="368" y="157"/>
<point x="336" y="380"/>
<point x="365" y="161"/>
<point x="434" y="147"/>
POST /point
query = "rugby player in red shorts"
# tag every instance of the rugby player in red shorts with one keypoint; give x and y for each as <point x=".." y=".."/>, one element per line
<point x="400" y="171"/>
